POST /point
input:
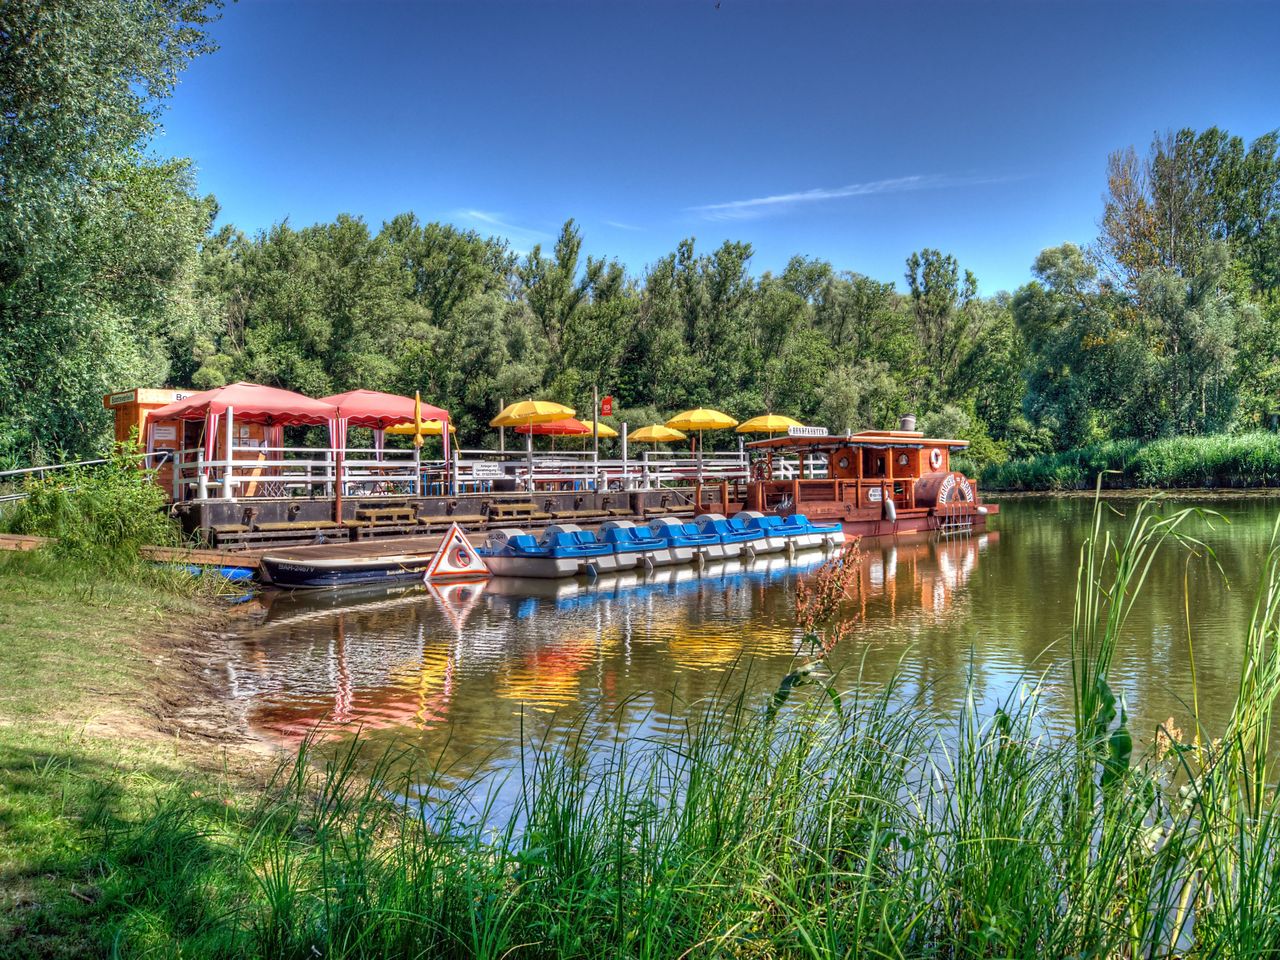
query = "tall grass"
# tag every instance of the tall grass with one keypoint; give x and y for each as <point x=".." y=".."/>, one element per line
<point x="1240" y="460"/>
<point x="847" y="825"/>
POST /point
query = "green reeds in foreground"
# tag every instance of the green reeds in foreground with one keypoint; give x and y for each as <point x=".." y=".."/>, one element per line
<point x="849" y="825"/>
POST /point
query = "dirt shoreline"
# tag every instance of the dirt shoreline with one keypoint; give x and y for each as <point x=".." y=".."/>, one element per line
<point x="190" y="698"/>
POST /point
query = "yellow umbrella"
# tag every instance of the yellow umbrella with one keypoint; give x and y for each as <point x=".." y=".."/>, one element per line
<point x="769" y="423"/>
<point x="530" y="411"/>
<point x="604" y="431"/>
<point x="701" y="419"/>
<point x="527" y="413"/>
<point x="656" y="433"/>
<point x="429" y="428"/>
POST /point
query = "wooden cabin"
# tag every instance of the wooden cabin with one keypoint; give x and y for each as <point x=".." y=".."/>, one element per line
<point x="132" y="410"/>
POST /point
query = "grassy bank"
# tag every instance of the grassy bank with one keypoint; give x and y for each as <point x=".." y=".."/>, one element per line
<point x="829" y="821"/>
<point x="1241" y="460"/>
<point x="98" y="666"/>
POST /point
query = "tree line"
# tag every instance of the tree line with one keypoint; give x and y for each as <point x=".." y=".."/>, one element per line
<point x="113" y="275"/>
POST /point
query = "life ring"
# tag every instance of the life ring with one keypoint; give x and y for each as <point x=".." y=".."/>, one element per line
<point x="935" y="458"/>
<point x="461" y="557"/>
<point x="761" y="471"/>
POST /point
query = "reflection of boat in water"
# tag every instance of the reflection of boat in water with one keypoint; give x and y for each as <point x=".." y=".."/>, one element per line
<point x="465" y="654"/>
<point x="284" y="605"/>
<point x="920" y="573"/>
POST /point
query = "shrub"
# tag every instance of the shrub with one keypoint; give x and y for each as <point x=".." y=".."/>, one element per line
<point x="102" y="513"/>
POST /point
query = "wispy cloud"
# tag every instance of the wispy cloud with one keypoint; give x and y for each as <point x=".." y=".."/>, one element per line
<point x="777" y="203"/>
<point x="495" y="221"/>
<point x="619" y="225"/>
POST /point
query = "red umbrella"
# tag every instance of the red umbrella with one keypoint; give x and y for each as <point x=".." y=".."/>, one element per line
<point x="369" y="408"/>
<point x="248" y="402"/>
<point x="568" y="427"/>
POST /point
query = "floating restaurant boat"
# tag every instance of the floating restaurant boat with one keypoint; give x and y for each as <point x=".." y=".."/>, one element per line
<point x="873" y="483"/>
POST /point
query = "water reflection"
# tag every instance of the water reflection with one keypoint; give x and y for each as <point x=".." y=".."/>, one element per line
<point x="465" y="673"/>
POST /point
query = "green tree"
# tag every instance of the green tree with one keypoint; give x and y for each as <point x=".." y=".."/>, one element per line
<point x="97" y="239"/>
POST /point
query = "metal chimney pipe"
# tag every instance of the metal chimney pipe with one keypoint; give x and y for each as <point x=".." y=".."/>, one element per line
<point x="908" y="422"/>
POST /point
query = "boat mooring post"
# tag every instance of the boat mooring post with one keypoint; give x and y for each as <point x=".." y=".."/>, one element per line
<point x="595" y="438"/>
<point x="226" y="469"/>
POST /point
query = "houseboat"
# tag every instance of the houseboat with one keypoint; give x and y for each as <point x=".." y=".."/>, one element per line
<point x="874" y="483"/>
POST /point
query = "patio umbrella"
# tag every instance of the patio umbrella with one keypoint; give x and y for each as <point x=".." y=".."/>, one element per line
<point x="701" y="419"/>
<point x="769" y="423"/>
<point x="246" y="403"/>
<point x="528" y="413"/>
<point x="568" y="427"/>
<point x="657" y="433"/>
<point x="429" y="428"/>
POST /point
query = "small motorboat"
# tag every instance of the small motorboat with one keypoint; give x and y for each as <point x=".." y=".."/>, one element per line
<point x="296" y="568"/>
<point x="627" y="539"/>
<point x="565" y="550"/>
<point x="684" y="541"/>
<point x="737" y="541"/>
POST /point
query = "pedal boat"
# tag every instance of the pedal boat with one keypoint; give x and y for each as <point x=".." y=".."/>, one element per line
<point x="684" y="541"/>
<point x="629" y="540"/>
<point x="736" y="541"/>
<point x="795" y="530"/>
<point x="561" y="553"/>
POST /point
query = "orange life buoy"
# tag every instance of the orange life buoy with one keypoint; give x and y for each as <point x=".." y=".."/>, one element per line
<point x="935" y="458"/>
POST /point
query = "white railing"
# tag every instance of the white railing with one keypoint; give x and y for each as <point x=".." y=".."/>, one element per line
<point x="312" y="472"/>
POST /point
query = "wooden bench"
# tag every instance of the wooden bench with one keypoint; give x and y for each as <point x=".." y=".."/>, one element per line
<point x="578" y="514"/>
<point x="386" y="515"/>
<point x="461" y="519"/>
<point x="517" y="511"/>
<point x="302" y="525"/>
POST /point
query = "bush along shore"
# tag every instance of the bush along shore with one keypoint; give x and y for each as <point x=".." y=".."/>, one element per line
<point x="831" y="821"/>
<point x="1231" y="461"/>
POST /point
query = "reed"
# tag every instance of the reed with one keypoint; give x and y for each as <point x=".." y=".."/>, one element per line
<point x="843" y="824"/>
<point x="1221" y="460"/>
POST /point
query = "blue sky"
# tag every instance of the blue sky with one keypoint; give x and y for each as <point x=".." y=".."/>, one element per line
<point x="854" y="132"/>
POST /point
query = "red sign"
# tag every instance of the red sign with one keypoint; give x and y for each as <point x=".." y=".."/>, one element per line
<point x="606" y="406"/>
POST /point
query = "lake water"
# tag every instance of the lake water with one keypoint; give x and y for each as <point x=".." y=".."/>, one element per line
<point x="465" y="674"/>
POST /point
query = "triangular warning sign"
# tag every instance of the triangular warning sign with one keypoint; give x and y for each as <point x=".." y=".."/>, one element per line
<point x="455" y="559"/>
